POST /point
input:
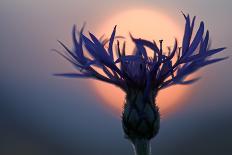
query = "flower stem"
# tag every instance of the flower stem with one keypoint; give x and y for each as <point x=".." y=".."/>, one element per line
<point x="142" y="147"/>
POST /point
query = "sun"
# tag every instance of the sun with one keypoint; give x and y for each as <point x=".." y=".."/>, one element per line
<point x="150" y="25"/>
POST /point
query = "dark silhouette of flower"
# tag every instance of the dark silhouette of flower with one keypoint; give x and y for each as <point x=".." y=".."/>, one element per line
<point x="139" y="75"/>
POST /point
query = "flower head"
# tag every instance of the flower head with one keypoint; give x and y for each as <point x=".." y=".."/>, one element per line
<point x="141" y="76"/>
<point x="138" y="70"/>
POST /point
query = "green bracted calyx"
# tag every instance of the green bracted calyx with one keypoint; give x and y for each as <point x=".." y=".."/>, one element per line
<point x="140" y="120"/>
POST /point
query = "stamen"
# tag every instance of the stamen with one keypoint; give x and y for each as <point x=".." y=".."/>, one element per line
<point x="161" y="47"/>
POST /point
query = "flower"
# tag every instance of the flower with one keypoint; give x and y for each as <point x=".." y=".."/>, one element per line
<point x="139" y="75"/>
<point x="139" y="70"/>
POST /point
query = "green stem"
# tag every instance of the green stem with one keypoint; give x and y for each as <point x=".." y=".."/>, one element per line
<point x="142" y="147"/>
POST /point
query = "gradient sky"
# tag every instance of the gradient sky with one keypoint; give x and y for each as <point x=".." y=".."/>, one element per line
<point x="43" y="114"/>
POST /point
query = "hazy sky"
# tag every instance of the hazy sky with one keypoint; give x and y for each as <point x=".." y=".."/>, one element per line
<point x="43" y="114"/>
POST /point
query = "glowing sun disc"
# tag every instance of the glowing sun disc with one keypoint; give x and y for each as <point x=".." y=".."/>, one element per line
<point x="151" y="25"/>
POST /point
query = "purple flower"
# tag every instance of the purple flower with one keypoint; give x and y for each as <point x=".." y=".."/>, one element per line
<point x="139" y="70"/>
<point x="140" y="75"/>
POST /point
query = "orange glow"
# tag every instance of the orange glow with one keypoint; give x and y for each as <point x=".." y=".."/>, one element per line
<point x="150" y="25"/>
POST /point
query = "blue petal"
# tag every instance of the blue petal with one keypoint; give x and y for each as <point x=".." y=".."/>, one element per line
<point x="89" y="46"/>
<point x="100" y="50"/>
<point x="202" y="55"/>
<point x="78" y="47"/>
<point x="187" y="35"/>
<point x="208" y="62"/>
<point x="196" y="39"/>
<point x="68" y="50"/>
<point x="148" y="44"/>
<point x="73" y="75"/>
<point x="129" y="58"/>
<point x="140" y="49"/>
<point x="111" y="43"/>
<point x="191" y="81"/>
<point x="204" y="44"/>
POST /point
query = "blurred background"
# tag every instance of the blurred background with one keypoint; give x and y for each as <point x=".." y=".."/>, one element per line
<point x="43" y="114"/>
